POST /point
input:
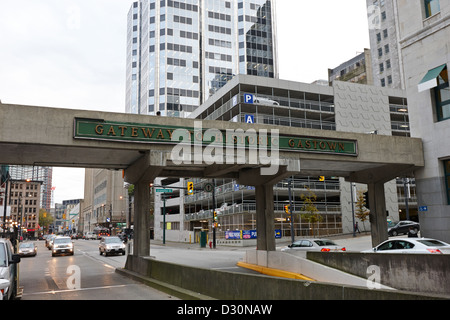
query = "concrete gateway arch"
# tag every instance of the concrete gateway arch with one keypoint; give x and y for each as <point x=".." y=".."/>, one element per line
<point x="147" y="147"/>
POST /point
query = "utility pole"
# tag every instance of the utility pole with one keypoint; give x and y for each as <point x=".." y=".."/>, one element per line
<point x="214" y="213"/>
<point x="290" y="209"/>
<point x="352" y="187"/>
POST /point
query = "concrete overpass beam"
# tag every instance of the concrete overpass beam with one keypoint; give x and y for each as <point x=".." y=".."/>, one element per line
<point x="265" y="220"/>
<point x="377" y="215"/>
<point x="147" y="168"/>
<point x="141" y="173"/>
<point x="265" y="223"/>
<point x="141" y="219"/>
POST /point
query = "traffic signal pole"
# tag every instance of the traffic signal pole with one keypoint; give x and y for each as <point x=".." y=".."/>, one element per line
<point x="214" y="213"/>
<point x="290" y="209"/>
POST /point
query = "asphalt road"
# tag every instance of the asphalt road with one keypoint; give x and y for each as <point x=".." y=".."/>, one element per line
<point x="84" y="276"/>
<point x="89" y="276"/>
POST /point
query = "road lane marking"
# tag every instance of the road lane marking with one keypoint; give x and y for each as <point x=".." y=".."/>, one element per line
<point x="74" y="290"/>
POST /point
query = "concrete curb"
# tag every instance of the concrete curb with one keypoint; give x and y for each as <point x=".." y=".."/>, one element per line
<point x="274" y="272"/>
<point x="178" y="292"/>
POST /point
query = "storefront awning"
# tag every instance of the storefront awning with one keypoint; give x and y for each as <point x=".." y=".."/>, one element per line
<point x="430" y="79"/>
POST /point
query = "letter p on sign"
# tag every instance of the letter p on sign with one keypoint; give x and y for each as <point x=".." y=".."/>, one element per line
<point x="248" y="98"/>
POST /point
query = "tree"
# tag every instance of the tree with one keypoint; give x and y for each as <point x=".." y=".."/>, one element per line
<point x="45" y="219"/>
<point x="310" y="210"/>
<point x="361" y="212"/>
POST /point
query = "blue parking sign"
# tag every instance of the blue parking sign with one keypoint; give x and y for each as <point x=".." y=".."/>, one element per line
<point x="248" y="98"/>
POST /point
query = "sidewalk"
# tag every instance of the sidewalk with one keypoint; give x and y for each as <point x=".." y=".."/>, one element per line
<point x="361" y="242"/>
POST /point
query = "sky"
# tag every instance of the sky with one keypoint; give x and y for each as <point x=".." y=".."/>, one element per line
<point x="72" y="54"/>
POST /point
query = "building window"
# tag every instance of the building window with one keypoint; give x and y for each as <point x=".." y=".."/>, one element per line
<point x="388" y="64"/>
<point x="442" y="96"/>
<point x="431" y="7"/>
<point x="447" y="179"/>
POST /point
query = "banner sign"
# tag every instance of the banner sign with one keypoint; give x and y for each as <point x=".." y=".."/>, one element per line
<point x="152" y="133"/>
<point x="246" y="234"/>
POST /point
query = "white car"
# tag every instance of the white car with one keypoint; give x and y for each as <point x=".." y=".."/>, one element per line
<point x="62" y="245"/>
<point x="8" y="269"/>
<point x="90" y="236"/>
<point x="412" y="245"/>
<point x="111" y="245"/>
<point x="265" y="101"/>
<point x="323" y="245"/>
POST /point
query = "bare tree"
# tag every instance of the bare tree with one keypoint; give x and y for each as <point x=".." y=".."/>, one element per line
<point x="310" y="210"/>
<point x="361" y="212"/>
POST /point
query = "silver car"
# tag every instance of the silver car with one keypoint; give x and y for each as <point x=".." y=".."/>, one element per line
<point x="8" y="269"/>
<point x="27" y="249"/>
<point x="111" y="245"/>
<point x="62" y="245"/>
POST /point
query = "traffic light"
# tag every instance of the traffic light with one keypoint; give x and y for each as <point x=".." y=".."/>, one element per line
<point x="321" y="178"/>
<point x="215" y="221"/>
<point x="366" y="200"/>
<point x="190" y="188"/>
<point x="286" y="209"/>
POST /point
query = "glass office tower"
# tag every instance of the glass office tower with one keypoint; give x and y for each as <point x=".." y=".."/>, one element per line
<point x="179" y="53"/>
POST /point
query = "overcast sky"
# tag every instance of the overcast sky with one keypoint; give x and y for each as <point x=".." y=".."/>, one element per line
<point x="72" y="54"/>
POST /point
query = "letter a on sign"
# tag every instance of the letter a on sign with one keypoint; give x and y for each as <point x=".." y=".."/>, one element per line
<point x="249" y="119"/>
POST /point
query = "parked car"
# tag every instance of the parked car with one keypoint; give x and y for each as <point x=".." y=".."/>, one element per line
<point x="323" y="245"/>
<point x="8" y="268"/>
<point x="27" y="249"/>
<point x="62" y="245"/>
<point x="412" y="245"/>
<point x="403" y="227"/>
<point x="111" y="245"/>
<point x="90" y="236"/>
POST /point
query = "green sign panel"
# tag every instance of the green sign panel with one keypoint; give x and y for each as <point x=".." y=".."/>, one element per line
<point x="164" y="190"/>
<point x="153" y="133"/>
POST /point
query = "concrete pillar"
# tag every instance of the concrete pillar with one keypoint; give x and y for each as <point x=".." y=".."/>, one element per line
<point x="141" y="245"/>
<point x="265" y="222"/>
<point x="377" y="203"/>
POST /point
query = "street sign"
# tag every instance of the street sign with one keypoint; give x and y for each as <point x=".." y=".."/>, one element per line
<point x="164" y="190"/>
<point x="249" y="118"/>
<point x="248" y="98"/>
<point x="209" y="187"/>
<point x="423" y="208"/>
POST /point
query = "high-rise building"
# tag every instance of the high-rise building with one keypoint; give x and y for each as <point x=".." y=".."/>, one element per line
<point x="36" y="173"/>
<point x="356" y="70"/>
<point x="384" y="44"/>
<point x="424" y="45"/>
<point x="179" y="53"/>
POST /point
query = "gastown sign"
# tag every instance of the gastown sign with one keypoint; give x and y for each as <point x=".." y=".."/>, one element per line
<point x="95" y="129"/>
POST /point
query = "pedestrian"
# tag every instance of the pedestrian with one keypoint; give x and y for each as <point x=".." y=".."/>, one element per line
<point x="412" y="233"/>
<point x="357" y="227"/>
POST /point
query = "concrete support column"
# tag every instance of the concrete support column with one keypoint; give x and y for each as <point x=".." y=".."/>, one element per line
<point x="265" y="222"/>
<point x="377" y="216"/>
<point x="141" y="245"/>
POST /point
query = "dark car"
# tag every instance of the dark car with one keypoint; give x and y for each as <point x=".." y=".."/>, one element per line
<point x="403" y="227"/>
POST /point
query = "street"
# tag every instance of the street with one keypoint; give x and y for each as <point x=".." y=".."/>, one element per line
<point x="89" y="276"/>
<point x="84" y="276"/>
